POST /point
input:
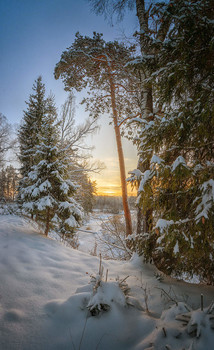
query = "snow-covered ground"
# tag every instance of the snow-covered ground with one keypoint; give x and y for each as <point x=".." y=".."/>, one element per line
<point x="46" y="298"/>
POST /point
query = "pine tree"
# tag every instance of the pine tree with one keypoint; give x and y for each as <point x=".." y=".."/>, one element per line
<point x="86" y="192"/>
<point x="28" y="134"/>
<point x="178" y="144"/>
<point x="101" y="67"/>
<point x="29" y="130"/>
<point x="148" y="31"/>
<point x="47" y="193"/>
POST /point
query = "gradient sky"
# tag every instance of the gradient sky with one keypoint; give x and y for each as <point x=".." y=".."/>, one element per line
<point x="33" y="34"/>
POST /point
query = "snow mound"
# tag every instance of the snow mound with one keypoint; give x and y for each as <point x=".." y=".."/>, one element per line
<point x="45" y="299"/>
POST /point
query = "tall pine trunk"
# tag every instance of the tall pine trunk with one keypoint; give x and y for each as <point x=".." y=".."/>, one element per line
<point x="144" y="220"/>
<point x="126" y="209"/>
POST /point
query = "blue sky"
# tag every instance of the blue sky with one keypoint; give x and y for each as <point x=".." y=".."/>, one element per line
<point x="33" y="34"/>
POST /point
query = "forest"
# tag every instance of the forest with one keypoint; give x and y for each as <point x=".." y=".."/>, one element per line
<point x="157" y="91"/>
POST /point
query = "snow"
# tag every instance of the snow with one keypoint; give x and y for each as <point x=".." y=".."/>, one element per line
<point x="207" y="199"/>
<point x="107" y="294"/>
<point x="163" y="224"/>
<point x="156" y="159"/>
<point x="35" y="192"/>
<point x="176" y="248"/>
<point x="136" y="173"/>
<point x="145" y="177"/>
<point x="45" y="202"/>
<point x="64" y="187"/>
<point x="71" y="221"/>
<point x="46" y="184"/>
<point x="46" y="293"/>
<point x="179" y="161"/>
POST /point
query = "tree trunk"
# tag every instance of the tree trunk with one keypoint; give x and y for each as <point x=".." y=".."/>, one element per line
<point x="144" y="221"/>
<point x="47" y="222"/>
<point x="121" y="157"/>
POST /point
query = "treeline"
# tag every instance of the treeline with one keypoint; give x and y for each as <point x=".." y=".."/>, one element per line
<point x="9" y="179"/>
<point x="113" y="204"/>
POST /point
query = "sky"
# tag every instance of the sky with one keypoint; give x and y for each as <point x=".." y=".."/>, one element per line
<point x="33" y="35"/>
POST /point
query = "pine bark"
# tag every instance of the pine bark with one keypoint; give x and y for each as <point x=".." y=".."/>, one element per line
<point x="126" y="209"/>
<point x="144" y="222"/>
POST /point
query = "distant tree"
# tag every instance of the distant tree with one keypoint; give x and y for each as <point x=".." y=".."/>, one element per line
<point x="72" y="137"/>
<point x="86" y="193"/>
<point x="101" y="66"/>
<point x="2" y="184"/>
<point x="9" y="179"/>
<point x="72" y="141"/>
<point x="5" y="142"/>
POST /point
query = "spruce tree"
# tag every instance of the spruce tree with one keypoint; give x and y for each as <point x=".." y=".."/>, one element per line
<point x="28" y="134"/>
<point x="178" y="144"/>
<point x="47" y="193"/>
<point x="29" y="130"/>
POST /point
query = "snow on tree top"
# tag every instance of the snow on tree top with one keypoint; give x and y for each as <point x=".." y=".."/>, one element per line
<point x="179" y="161"/>
<point x="46" y="184"/>
<point x="163" y="224"/>
<point x="45" y="202"/>
<point x="71" y="222"/>
<point x="176" y="248"/>
<point x="207" y="200"/>
<point x="64" y="187"/>
<point x="145" y="178"/>
<point x="136" y="173"/>
<point x="156" y="159"/>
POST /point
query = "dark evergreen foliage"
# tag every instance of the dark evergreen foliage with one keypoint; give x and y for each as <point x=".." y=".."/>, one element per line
<point x="178" y="144"/>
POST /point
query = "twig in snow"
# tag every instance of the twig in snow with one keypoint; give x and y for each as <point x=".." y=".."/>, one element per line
<point x="100" y="268"/>
<point x="164" y="332"/>
<point x="83" y="332"/>
<point x="72" y="340"/>
<point x="210" y="308"/>
<point x="106" y="275"/>
<point x="168" y="295"/>
<point x="202" y="302"/>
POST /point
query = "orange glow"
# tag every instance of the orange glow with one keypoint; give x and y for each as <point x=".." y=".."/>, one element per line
<point x="108" y="180"/>
<point x="113" y="190"/>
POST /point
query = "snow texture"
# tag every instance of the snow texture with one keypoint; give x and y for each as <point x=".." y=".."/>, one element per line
<point x="145" y="178"/>
<point x="179" y="161"/>
<point x="163" y="224"/>
<point x="45" y="291"/>
<point x="207" y="200"/>
<point x="156" y="159"/>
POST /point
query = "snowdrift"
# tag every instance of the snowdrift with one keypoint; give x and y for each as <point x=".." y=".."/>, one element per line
<point x="46" y="297"/>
